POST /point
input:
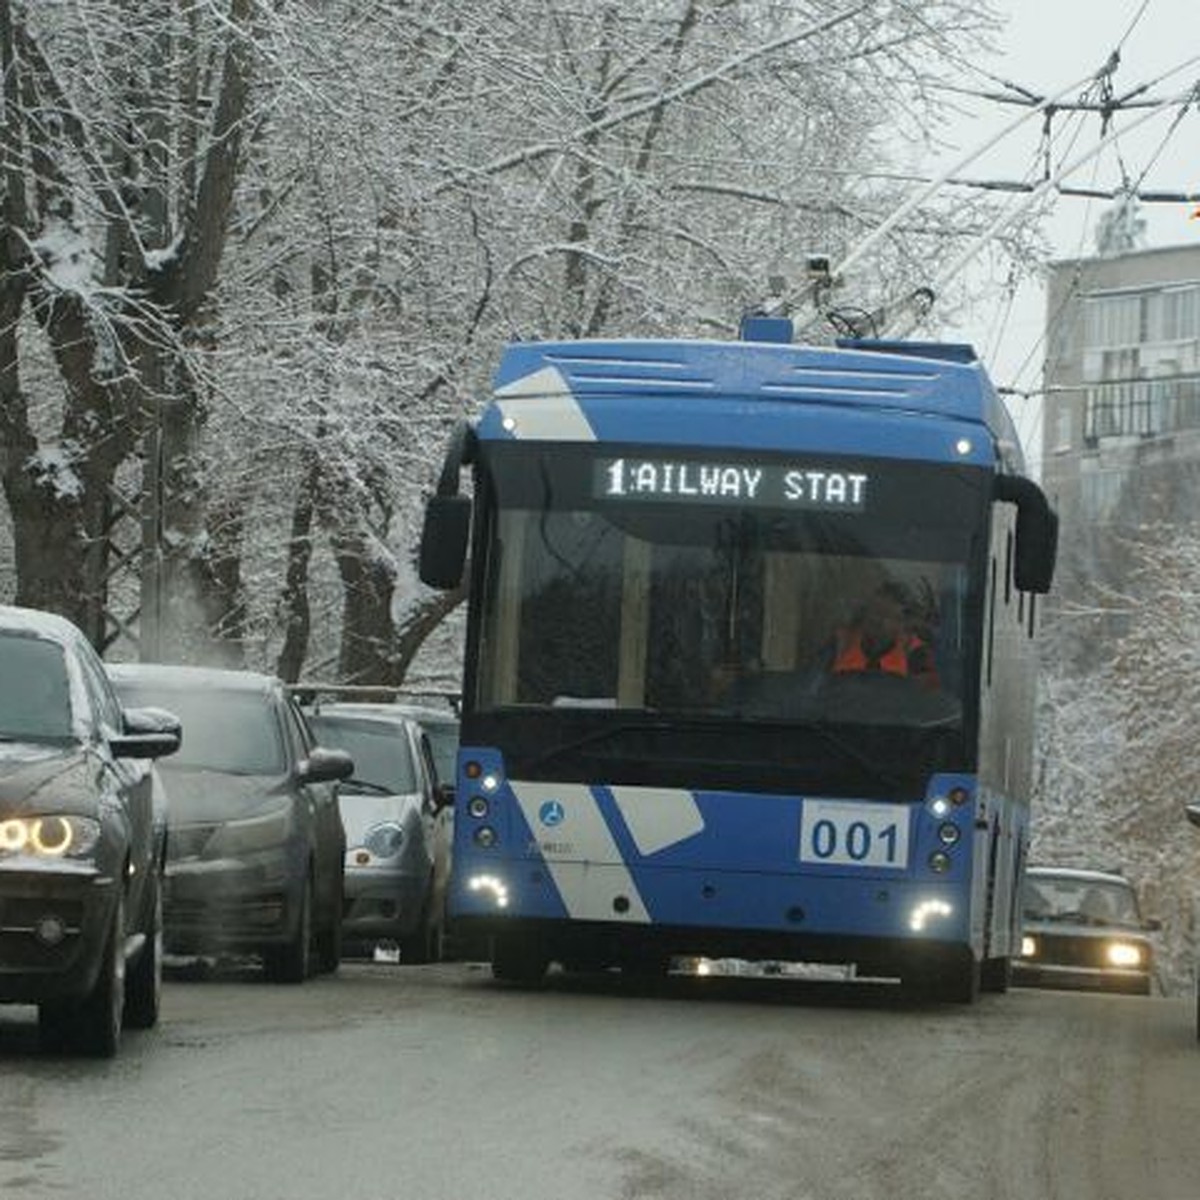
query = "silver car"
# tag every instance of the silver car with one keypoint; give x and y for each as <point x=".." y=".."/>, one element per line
<point x="1084" y="929"/>
<point x="396" y="824"/>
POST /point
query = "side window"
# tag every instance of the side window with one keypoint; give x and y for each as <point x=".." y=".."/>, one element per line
<point x="296" y="731"/>
<point x="427" y="764"/>
<point x="106" y="709"/>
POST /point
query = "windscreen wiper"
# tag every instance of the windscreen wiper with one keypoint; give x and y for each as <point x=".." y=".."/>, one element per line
<point x="368" y="787"/>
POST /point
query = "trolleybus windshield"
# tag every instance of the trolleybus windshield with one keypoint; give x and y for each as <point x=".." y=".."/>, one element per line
<point x="683" y="587"/>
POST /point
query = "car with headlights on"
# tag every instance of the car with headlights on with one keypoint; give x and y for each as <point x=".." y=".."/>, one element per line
<point x="1084" y="929"/>
<point x="256" y="852"/>
<point x="395" y="820"/>
<point x="82" y="839"/>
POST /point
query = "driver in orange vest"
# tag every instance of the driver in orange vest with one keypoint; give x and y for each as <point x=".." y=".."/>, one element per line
<point x="882" y="638"/>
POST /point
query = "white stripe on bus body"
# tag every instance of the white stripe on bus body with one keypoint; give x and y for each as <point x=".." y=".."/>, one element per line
<point x="658" y="817"/>
<point x="541" y="406"/>
<point x="580" y="853"/>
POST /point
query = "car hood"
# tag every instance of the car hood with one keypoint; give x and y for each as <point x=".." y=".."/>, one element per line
<point x="210" y="797"/>
<point x="42" y="778"/>
<point x="1078" y="929"/>
<point x="359" y="813"/>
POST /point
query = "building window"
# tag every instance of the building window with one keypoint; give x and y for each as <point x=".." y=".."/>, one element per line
<point x="1179" y="311"/>
<point x="1114" y="320"/>
<point x="1126" y="409"/>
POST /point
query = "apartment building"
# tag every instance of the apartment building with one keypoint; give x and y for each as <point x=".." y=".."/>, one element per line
<point x="1121" y="418"/>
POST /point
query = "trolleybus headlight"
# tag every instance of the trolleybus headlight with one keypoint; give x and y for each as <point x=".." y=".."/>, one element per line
<point x="1029" y="947"/>
<point x="948" y="833"/>
<point x="939" y="861"/>
<point x="477" y="806"/>
<point x="1123" y="954"/>
<point x="485" y="836"/>
<point x="492" y="886"/>
<point x="959" y="796"/>
<point x="939" y="806"/>
<point x="926" y="911"/>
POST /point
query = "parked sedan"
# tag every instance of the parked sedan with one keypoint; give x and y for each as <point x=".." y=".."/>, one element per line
<point x="397" y="854"/>
<point x="82" y="835"/>
<point x="256" y="850"/>
<point x="1084" y="929"/>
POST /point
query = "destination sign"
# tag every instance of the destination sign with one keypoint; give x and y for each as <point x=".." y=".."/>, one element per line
<point x="765" y="485"/>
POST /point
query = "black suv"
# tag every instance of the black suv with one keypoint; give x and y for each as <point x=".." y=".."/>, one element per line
<point x="82" y="837"/>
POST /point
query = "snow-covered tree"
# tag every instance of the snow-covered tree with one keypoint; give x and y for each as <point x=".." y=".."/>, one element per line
<point x="290" y="240"/>
<point x="1118" y="754"/>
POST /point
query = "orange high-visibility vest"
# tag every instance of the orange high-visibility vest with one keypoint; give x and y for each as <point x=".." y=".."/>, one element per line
<point x="851" y="656"/>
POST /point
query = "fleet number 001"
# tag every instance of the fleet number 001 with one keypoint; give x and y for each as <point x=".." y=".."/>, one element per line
<point x="856" y="835"/>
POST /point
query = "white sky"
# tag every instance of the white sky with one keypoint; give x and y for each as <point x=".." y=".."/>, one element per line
<point x="1048" y="46"/>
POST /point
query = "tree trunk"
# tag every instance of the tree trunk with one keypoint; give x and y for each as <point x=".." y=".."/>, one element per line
<point x="368" y="632"/>
<point x="296" y="612"/>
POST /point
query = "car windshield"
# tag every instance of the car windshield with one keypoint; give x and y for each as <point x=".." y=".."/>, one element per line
<point x="223" y="730"/>
<point x="1086" y="901"/>
<point x="381" y="754"/>
<point x="443" y="741"/>
<point x="35" y="695"/>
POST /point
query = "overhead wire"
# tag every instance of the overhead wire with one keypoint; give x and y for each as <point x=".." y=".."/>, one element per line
<point x="1071" y="293"/>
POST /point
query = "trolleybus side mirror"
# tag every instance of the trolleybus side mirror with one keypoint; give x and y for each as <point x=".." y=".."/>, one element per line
<point x="444" y="541"/>
<point x="1037" y="533"/>
<point x="448" y="518"/>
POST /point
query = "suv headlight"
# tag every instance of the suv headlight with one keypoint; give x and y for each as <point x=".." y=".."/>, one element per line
<point x="53" y="836"/>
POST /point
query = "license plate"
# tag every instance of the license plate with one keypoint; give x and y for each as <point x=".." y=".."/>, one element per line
<point x="845" y="833"/>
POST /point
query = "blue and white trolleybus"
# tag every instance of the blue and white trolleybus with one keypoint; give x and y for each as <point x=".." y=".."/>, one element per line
<point x="668" y="745"/>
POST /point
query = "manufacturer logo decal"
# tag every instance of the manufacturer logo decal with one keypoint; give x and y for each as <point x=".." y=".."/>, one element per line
<point x="551" y="813"/>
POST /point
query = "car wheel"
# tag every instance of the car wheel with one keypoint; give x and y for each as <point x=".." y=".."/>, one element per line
<point x="98" y="1019"/>
<point x="143" y="981"/>
<point x="293" y="963"/>
<point x="423" y="945"/>
<point x="329" y="943"/>
<point x="55" y="1023"/>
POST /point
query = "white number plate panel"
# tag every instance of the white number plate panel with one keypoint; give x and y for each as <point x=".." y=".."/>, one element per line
<point x="847" y="834"/>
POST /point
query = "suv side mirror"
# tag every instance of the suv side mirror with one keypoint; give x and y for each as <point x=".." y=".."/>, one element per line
<point x="324" y="766"/>
<point x="148" y="733"/>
